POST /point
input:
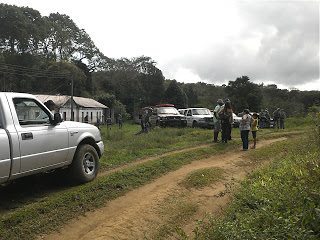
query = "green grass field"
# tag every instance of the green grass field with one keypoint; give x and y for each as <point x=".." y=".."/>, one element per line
<point x="281" y="201"/>
<point x="123" y="145"/>
<point x="34" y="211"/>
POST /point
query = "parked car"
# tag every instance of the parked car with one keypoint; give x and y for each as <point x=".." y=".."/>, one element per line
<point x="236" y="120"/>
<point x="167" y="115"/>
<point x="33" y="140"/>
<point x="199" y="117"/>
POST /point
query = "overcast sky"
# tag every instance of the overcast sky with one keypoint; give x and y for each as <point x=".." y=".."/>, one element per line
<point x="211" y="41"/>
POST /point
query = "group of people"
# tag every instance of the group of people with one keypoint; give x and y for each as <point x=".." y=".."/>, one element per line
<point x="223" y="119"/>
<point x="278" y="120"/>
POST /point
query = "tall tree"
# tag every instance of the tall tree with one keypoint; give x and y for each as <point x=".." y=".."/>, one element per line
<point x="244" y="94"/>
<point x="175" y="95"/>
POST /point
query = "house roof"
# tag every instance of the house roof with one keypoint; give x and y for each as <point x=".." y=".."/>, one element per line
<point x="61" y="100"/>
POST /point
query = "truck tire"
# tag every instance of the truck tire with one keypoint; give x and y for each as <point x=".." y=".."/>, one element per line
<point x="85" y="164"/>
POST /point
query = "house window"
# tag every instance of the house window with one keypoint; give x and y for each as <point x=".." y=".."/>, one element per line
<point x="65" y="116"/>
<point x="91" y="116"/>
<point x="82" y="117"/>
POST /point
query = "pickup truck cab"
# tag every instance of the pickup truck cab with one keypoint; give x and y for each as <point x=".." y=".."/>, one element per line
<point x="33" y="140"/>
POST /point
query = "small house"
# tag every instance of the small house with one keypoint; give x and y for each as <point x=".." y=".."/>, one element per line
<point x="84" y="109"/>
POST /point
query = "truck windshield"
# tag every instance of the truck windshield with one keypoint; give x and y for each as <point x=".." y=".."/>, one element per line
<point x="201" y="111"/>
<point x="168" y="110"/>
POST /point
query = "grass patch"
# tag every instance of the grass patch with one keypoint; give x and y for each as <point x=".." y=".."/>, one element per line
<point x="202" y="177"/>
<point x="56" y="209"/>
<point x="175" y="210"/>
<point x="278" y="202"/>
<point x="123" y="145"/>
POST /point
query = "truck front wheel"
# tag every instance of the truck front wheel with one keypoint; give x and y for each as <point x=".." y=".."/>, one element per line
<point x="85" y="164"/>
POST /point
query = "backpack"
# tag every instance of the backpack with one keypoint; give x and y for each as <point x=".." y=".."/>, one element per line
<point x="223" y="115"/>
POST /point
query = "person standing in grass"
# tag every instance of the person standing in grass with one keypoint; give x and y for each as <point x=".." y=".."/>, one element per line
<point x="282" y="116"/>
<point x="276" y="117"/>
<point x="216" y="119"/>
<point x="245" y="129"/>
<point x="120" y="121"/>
<point x="226" y="118"/>
<point x="254" y="129"/>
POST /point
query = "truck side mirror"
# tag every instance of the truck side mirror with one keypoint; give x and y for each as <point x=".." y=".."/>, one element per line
<point x="56" y="118"/>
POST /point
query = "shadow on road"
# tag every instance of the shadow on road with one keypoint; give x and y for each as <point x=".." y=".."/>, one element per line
<point x="30" y="189"/>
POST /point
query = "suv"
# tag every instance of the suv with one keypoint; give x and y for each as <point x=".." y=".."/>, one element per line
<point x="199" y="117"/>
<point x="166" y="115"/>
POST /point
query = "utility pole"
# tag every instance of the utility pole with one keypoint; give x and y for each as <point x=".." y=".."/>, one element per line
<point x="71" y="99"/>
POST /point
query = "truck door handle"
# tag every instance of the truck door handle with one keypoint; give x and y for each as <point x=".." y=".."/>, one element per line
<point x="27" y="136"/>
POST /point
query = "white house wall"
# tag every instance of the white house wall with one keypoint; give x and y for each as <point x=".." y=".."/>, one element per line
<point x="79" y="114"/>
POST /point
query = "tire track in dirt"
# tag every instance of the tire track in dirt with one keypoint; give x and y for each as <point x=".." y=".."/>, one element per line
<point x="135" y="215"/>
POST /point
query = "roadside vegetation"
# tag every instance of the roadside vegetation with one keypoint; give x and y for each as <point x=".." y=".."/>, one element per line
<point x="281" y="201"/>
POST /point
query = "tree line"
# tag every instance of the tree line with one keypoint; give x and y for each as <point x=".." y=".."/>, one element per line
<point x="41" y="54"/>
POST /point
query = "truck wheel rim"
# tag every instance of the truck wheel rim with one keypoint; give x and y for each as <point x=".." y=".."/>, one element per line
<point x="89" y="163"/>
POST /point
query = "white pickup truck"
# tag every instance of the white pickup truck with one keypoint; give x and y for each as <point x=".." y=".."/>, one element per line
<point x="33" y="140"/>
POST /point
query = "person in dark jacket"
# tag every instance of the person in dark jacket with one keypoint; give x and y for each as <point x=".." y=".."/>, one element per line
<point x="226" y="121"/>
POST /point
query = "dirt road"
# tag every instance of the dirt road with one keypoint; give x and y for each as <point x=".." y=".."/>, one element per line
<point x="139" y="214"/>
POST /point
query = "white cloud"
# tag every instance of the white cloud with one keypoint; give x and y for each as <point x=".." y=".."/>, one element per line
<point x="205" y="40"/>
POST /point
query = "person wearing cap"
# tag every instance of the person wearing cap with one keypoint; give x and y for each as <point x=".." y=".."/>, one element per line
<point x="254" y="129"/>
<point x="245" y="129"/>
<point x="216" y="119"/>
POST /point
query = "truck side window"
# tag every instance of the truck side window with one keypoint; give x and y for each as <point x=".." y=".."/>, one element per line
<point x="30" y="112"/>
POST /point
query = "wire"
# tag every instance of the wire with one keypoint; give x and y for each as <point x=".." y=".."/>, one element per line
<point x="22" y="71"/>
